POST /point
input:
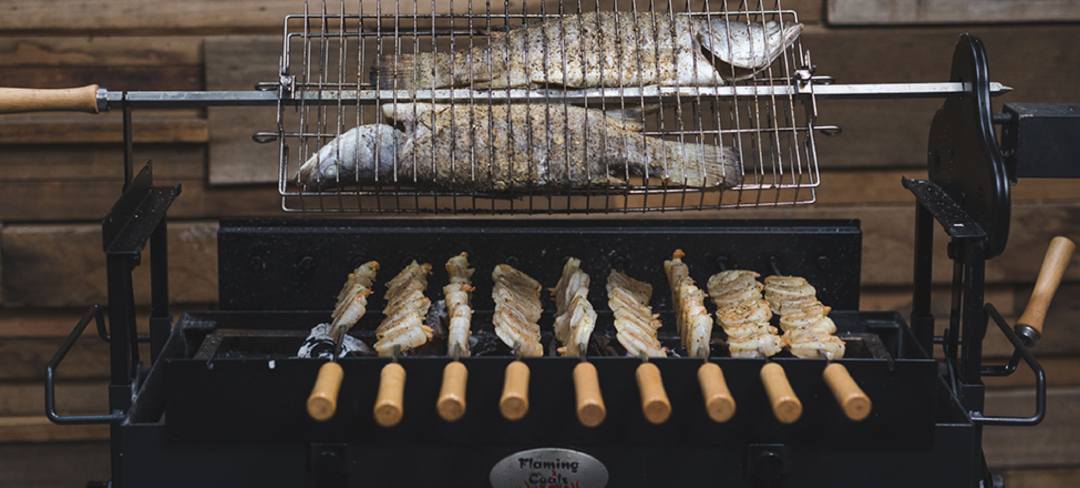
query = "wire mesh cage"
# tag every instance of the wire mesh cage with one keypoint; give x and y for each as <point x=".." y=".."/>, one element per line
<point x="544" y="106"/>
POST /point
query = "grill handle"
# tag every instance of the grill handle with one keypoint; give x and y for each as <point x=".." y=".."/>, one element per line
<point x="1030" y="324"/>
<point x="87" y="99"/>
<point x="1020" y="352"/>
<point x="93" y="313"/>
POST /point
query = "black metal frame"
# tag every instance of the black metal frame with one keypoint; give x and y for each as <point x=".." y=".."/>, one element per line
<point x="967" y="193"/>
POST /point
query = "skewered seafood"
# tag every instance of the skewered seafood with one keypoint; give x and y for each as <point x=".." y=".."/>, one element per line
<point x="635" y="324"/>
<point x="403" y="326"/>
<point x="352" y="299"/>
<point x="744" y="314"/>
<point x="695" y="324"/>
<point x="575" y="318"/>
<point x="517" y="310"/>
<point x="457" y="295"/>
<point x="808" y="331"/>
<point x="791" y="292"/>
<point x="598" y="49"/>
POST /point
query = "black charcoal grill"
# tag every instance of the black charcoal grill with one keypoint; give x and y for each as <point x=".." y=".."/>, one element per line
<point x="221" y="401"/>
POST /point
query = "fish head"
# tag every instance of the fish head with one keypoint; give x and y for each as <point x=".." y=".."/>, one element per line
<point x="353" y="157"/>
<point x="746" y="45"/>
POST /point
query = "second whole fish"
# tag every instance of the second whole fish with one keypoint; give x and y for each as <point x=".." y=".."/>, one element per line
<point x="600" y="49"/>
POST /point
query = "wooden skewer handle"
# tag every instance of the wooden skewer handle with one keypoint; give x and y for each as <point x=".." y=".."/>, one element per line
<point x="719" y="403"/>
<point x="1053" y="268"/>
<point x="590" y="402"/>
<point x="23" y="100"/>
<point x="390" y="400"/>
<point x="785" y="405"/>
<point x="655" y="404"/>
<point x="322" y="402"/>
<point x="451" y="402"/>
<point x="514" y="402"/>
<point x="853" y="401"/>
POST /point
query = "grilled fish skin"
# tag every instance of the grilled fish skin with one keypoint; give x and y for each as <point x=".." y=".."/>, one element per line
<point x="597" y="49"/>
<point x="508" y="148"/>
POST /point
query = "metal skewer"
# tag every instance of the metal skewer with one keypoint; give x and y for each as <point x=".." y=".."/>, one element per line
<point x="93" y="99"/>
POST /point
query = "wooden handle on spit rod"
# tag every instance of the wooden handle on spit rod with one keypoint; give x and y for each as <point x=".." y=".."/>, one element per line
<point x="590" y="402"/>
<point x="390" y="401"/>
<point x="322" y="402"/>
<point x="451" y="402"/>
<point x="1053" y="268"/>
<point x="23" y="100"/>
<point x="853" y="401"/>
<point x="514" y="402"/>
<point x="655" y="404"/>
<point x="719" y="403"/>
<point x="785" y="405"/>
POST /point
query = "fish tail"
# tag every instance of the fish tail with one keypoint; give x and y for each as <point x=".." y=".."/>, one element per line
<point x="705" y="166"/>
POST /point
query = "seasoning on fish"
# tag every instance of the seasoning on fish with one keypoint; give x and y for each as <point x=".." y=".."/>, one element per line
<point x="744" y="314"/>
<point x="457" y="294"/>
<point x="635" y="324"/>
<point x="517" y="310"/>
<point x="598" y="49"/>
<point x="402" y="327"/>
<point x="695" y="324"/>
<point x="352" y="158"/>
<point x="575" y="317"/>
<point x="516" y="147"/>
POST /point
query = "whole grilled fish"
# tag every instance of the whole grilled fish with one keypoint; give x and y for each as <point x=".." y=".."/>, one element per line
<point x="599" y="49"/>
<point x="508" y="148"/>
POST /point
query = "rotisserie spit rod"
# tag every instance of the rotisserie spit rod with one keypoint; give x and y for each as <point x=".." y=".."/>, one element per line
<point x="93" y="99"/>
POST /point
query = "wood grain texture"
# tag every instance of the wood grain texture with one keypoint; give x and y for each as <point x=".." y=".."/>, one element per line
<point x="1050" y="444"/>
<point x="185" y="126"/>
<point x="32" y="165"/>
<point x="237" y="63"/>
<point x="38" y="428"/>
<point x="1042" y="478"/>
<point x="893" y="133"/>
<point x="26" y="465"/>
<point x="32" y="272"/>
<point x="113" y="78"/>
<point x="886" y="12"/>
<point x="22" y="399"/>
<point x="90" y="51"/>
<point x="210" y="16"/>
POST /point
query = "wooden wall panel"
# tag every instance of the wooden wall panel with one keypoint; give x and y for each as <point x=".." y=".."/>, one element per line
<point x="237" y="63"/>
<point x="879" y="12"/>
<point x="60" y="465"/>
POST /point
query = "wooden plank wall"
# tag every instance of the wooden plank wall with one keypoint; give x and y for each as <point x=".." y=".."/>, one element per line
<point x="60" y="173"/>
